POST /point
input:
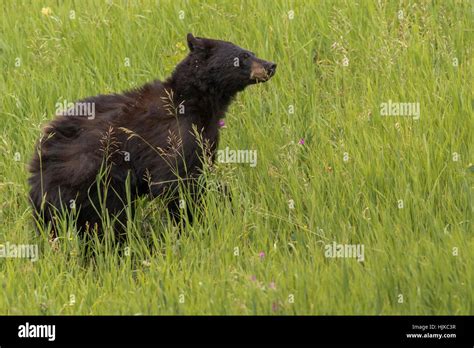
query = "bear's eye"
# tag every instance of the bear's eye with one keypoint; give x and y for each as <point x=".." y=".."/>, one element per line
<point x="245" y="56"/>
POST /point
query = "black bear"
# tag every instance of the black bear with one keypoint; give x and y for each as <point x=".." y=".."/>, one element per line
<point x="147" y="138"/>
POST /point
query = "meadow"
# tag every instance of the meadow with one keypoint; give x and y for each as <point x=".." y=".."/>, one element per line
<point x="334" y="166"/>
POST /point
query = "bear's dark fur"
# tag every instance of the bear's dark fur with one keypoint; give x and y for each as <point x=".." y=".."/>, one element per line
<point x="149" y="134"/>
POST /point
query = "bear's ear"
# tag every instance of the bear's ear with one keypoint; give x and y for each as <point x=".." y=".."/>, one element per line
<point x="193" y="42"/>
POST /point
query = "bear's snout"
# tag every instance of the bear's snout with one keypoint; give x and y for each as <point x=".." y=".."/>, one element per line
<point x="262" y="70"/>
<point x="271" y="68"/>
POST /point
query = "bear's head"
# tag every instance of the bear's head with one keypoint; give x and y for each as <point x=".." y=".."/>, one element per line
<point x="224" y="66"/>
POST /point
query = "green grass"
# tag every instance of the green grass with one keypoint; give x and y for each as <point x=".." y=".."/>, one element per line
<point x="408" y="251"/>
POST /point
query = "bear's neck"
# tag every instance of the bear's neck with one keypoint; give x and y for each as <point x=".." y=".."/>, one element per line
<point x="205" y="100"/>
